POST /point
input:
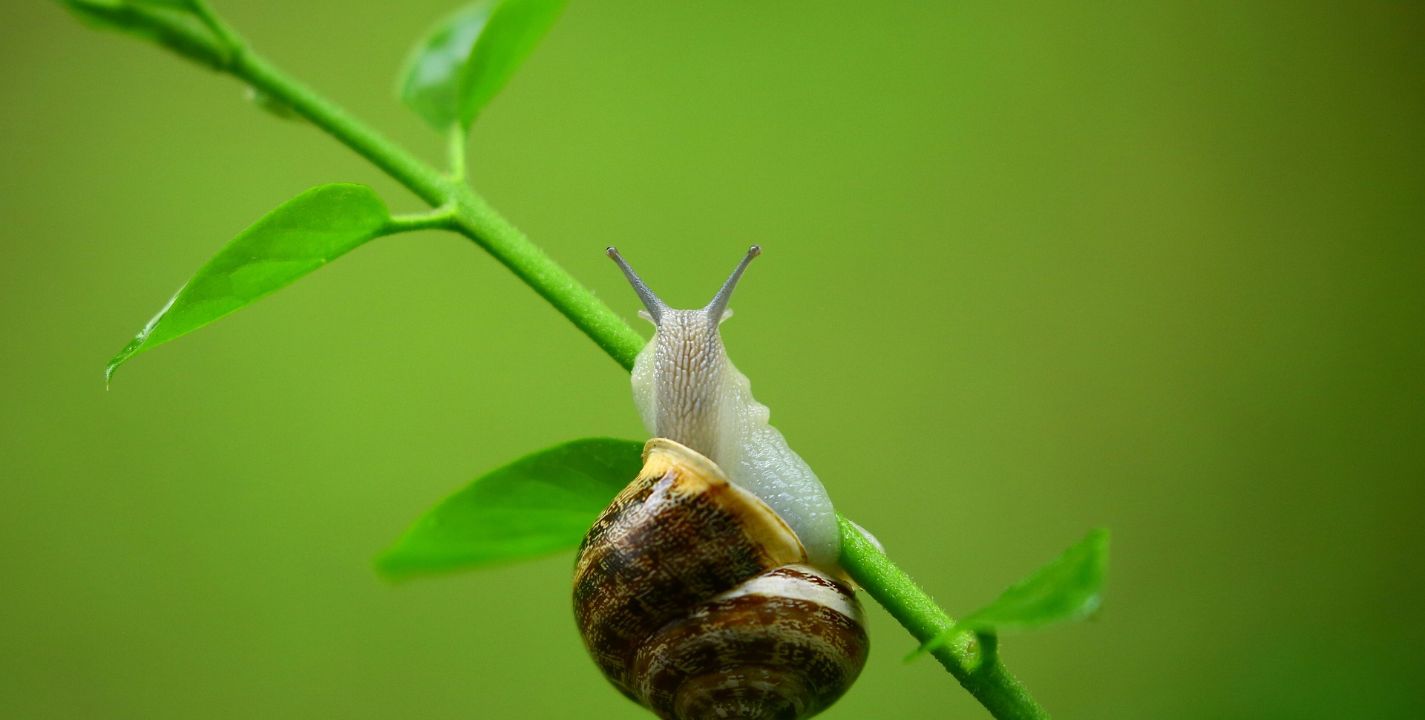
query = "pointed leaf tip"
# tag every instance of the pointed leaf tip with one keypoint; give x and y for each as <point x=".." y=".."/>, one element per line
<point x="540" y="504"/>
<point x="464" y="61"/>
<point x="301" y="235"/>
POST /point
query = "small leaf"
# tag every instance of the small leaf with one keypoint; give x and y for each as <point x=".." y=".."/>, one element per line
<point x="298" y="237"/>
<point x="537" y="505"/>
<point x="1068" y="588"/>
<point x="466" y="59"/>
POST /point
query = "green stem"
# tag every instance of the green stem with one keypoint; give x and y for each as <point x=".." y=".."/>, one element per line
<point x="441" y="218"/>
<point x="491" y="231"/>
<point x="474" y="218"/>
<point x="220" y="29"/>
<point x="974" y="664"/>
<point x="405" y="168"/>
<point x="456" y="151"/>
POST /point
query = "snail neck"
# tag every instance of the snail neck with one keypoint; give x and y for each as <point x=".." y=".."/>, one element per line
<point x="688" y="371"/>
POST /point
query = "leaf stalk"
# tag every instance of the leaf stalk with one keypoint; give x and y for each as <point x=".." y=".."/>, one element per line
<point x="456" y="151"/>
<point x="441" y="218"/>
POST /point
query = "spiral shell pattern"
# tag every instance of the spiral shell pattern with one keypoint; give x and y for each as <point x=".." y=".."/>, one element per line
<point x="695" y="600"/>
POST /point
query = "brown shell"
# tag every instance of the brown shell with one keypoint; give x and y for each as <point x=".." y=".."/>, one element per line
<point x="694" y="599"/>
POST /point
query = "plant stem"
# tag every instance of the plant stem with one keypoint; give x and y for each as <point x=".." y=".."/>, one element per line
<point x="420" y="178"/>
<point x="215" y="24"/>
<point x="975" y="664"/>
<point x="456" y="150"/>
<point x="474" y="218"/>
<point x="441" y="218"/>
<point x="478" y="221"/>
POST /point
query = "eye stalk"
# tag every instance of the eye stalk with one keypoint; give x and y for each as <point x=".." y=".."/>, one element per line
<point x="715" y="308"/>
<point x="655" y="305"/>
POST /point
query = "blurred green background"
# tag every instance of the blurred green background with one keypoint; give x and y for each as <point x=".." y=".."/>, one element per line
<point x="1031" y="268"/>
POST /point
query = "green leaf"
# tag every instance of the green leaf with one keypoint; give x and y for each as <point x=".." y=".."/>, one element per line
<point x="537" y="505"/>
<point x="1068" y="588"/>
<point x="168" y="23"/>
<point x="298" y="237"/>
<point x="464" y="61"/>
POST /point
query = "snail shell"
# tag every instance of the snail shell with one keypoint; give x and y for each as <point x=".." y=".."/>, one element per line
<point x="696" y="600"/>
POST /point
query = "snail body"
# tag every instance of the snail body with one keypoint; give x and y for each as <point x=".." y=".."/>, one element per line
<point x="709" y="587"/>
<point x="687" y="389"/>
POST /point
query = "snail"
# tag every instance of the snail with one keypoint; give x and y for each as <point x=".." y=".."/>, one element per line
<point x="709" y="587"/>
